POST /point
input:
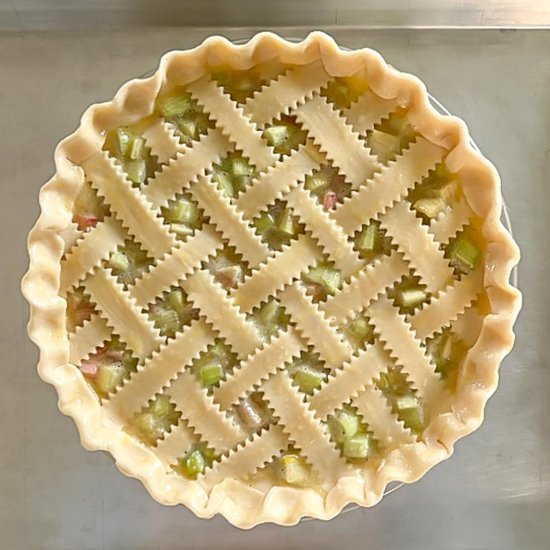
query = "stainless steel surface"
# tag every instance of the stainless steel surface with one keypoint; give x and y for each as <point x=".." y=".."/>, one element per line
<point x="494" y="493"/>
<point x="27" y="14"/>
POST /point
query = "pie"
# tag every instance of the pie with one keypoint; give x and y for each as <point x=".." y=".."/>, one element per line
<point x="270" y="279"/>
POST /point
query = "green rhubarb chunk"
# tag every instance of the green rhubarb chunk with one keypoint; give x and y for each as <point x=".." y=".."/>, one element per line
<point x="369" y="238"/>
<point x="317" y="182"/>
<point x="193" y="464"/>
<point x="119" y="262"/>
<point x="464" y="253"/>
<point x="240" y="167"/>
<point x="225" y="184"/>
<point x="161" y="406"/>
<point x="277" y="135"/>
<point x="270" y="312"/>
<point x="136" y="148"/>
<point x="264" y="223"/>
<point x="357" y="446"/>
<point x="360" y="328"/>
<point x="344" y="425"/>
<point x="176" y="300"/>
<point x="211" y="373"/>
<point x="188" y="128"/>
<point x="410" y="297"/>
<point x="166" y="320"/>
<point x="286" y="224"/>
<point x="294" y="470"/>
<point x="411" y="412"/>
<point x="384" y="145"/>
<point x="136" y="170"/>
<point x="183" y="211"/>
<point x="308" y="378"/>
<point x="123" y="140"/>
<point x="175" y="105"/>
<point x="431" y="207"/>
<point x="109" y="377"/>
<point x="329" y="278"/>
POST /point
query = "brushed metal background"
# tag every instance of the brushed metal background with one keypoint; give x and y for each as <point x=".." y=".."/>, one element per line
<point x="494" y="493"/>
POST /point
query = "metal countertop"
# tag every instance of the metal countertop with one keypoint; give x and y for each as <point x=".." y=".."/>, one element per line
<point x="494" y="493"/>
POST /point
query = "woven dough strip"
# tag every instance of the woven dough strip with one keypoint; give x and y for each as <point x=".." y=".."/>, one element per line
<point x="388" y="186"/>
<point x="349" y="380"/>
<point x="337" y="140"/>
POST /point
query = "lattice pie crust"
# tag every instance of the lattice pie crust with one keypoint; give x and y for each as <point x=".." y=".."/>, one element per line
<point x="297" y="83"/>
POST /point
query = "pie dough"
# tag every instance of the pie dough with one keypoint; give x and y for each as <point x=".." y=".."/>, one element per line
<point x="406" y="297"/>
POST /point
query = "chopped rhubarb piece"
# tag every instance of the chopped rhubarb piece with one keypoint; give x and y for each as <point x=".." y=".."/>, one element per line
<point x="211" y="373"/>
<point x="357" y="446"/>
<point x="251" y="413"/>
<point x="293" y="469"/>
<point x="330" y="200"/>
<point x="109" y="377"/>
<point x="136" y="170"/>
<point x="344" y="425"/>
<point x="411" y="412"/>
<point x="85" y="221"/>
<point x="136" y="148"/>
<point x="411" y="297"/>
<point x="89" y="368"/>
<point x="286" y="223"/>
<point x="308" y="378"/>
<point x="464" y="254"/>
<point x="119" y="262"/>
<point x="317" y="181"/>
<point x="193" y="464"/>
<point x="431" y="208"/>
<point x="385" y="146"/>
<point x="229" y="276"/>
<point x="329" y="278"/>
<point x="123" y="140"/>
<point x="369" y="238"/>
<point x="175" y="105"/>
<point x="277" y="135"/>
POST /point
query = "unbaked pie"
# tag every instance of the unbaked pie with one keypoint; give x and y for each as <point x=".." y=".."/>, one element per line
<point x="270" y="279"/>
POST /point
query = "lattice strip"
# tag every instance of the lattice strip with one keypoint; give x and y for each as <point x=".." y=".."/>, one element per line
<point x="337" y="139"/>
<point x="96" y="245"/>
<point x="452" y="221"/>
<point x="399" y="337"/>
<point x="176" y="443"/>
<point x="279" y="270"/>
<point x="369" y="110"/>
<point x="349" y="380"/>
<point x="177" y="265"/>
<point x="277" y="181"/>
<point x="418" y="246"/>
<point x="203" y="414"/>
<point x="88" y="338"/>
<point x="214" y="304"/>
<point x="160" y="368"/>
<point x="122" y="313"/>
<point x="232" y="121"/>
<point x="468" y="326"/>
<point x="229" y="222"/>
<point x="311" y="322"/>
<point x="327" y="233"/>
<point x="128" y="204"/>
<point x="185" y="168"/>
<point x="161" y="139"/>
<point x="301" y="426"/>
<point x="284" y="93"/>
<point x="441" y="311"/>
<point x="365" y="287"/>
<point x="258" y="367"/>
<point x="248" y="458"/>
<point x="375" y="410"/>
<point x="388" y="186"/>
